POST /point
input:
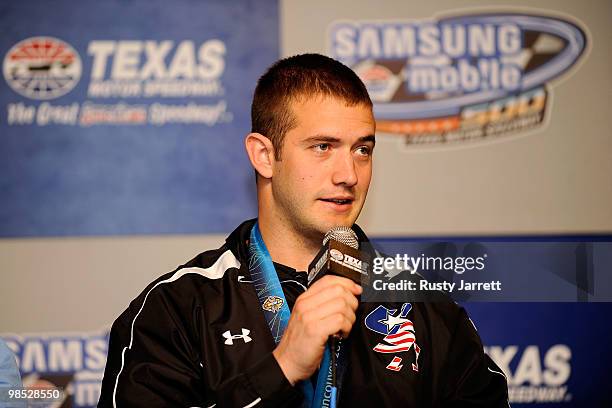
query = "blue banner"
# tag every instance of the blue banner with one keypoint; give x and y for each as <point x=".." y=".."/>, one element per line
<point x="128" y="117"/>
<point x="553" y="354"/>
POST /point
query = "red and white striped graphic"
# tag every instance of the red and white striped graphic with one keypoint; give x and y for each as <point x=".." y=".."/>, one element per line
<point x="398" y="342"/>
<point x="395" y="365"/>
<point x="417" y="351"/>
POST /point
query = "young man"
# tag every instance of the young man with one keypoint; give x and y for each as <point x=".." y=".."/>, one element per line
<point x="217" y="330"/>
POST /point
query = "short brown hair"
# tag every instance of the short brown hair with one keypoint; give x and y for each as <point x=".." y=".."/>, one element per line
<point x="293" y="78"/>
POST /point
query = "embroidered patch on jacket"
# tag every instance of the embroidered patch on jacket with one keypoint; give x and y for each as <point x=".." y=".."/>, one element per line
<point x="272" y="304"/>
<point x="399" y="332"/>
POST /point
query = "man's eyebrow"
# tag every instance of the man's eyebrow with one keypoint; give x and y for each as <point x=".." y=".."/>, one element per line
<point x="331" y="139"/>
<point x="369" y="138"/>
<point x="321" y="138"/>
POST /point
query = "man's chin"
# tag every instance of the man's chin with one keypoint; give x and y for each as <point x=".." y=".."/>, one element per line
<point x="320" y="222"/>
<point x="333" y="222"/>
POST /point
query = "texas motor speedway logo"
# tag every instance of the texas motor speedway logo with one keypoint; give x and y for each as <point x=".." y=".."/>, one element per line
<point x="458" y="78"/>
<point x="42" y="67"/>
<point x="132" y="79"/>
<point x="535" y="374"/>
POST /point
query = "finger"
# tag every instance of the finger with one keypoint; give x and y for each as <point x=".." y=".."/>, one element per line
<point x="330" y="280"/>
<point x="329" y="308"/>
<point x="311" y="301"/>
<point x="325" y="293"/>
<point x="334" y="324"/>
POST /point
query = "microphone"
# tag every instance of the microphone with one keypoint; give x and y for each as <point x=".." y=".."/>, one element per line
<point x="340" y="255"/>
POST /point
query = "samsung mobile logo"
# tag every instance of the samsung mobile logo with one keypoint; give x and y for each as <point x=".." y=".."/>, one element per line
<point x="73" y="362"/>
<point x="461" y="77"/>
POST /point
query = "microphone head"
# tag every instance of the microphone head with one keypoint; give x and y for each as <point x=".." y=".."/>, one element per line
<point x="344" y="235"/>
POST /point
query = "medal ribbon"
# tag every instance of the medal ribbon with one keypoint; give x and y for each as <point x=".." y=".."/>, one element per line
<point x="276" y="312"/>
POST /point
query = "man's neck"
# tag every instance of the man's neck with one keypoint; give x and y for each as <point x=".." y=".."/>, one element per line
<point x="287" y="246"/>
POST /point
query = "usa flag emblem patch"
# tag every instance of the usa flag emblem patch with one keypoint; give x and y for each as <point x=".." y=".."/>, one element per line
<point x="399" y="332"/>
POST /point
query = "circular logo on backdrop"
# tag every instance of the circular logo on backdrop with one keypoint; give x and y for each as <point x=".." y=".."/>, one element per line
<point x="42" y="68"/>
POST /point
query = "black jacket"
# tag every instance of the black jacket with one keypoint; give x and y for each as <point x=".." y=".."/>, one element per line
<point x="197" y="337"/>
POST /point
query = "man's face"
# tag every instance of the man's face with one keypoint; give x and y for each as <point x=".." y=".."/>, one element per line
<point x="325" y="169"/>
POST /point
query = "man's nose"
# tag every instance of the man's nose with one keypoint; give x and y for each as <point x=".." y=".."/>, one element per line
<point x="344" y="171"/>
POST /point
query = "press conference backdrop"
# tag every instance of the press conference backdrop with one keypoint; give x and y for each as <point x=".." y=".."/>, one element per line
<point x="122" y="123"/>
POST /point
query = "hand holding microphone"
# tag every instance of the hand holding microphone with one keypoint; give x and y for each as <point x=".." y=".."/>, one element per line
<point x="327" y="308"/>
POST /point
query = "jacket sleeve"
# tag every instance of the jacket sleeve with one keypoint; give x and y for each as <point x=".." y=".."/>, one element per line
<point x="472" y="379"/>
<point x="262" y="384"/>
<point x="154" y="361"/>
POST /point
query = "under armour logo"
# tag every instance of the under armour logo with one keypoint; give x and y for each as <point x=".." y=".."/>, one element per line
<point x="229" y="337"/>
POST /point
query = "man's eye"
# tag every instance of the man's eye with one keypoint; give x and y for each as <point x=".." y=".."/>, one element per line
<point x="364" y="150"/>
<point x="321" y="147"/>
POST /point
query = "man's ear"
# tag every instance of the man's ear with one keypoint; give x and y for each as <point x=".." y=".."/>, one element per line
<point x="261" y="153"/>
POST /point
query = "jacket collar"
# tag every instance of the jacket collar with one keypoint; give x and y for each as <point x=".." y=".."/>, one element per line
<point x="238" y="240"/>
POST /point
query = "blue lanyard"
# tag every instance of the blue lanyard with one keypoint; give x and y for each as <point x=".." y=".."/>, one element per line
<point x="276" y="311"/>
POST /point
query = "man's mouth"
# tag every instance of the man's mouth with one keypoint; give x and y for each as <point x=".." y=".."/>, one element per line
<point x="339" y="201"/>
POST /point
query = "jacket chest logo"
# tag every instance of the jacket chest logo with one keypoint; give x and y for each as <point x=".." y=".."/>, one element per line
<point x="229" y="337"/>
<point x="399" y="334"/>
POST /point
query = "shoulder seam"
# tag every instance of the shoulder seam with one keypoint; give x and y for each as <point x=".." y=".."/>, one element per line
<point x="215" y="271"/>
